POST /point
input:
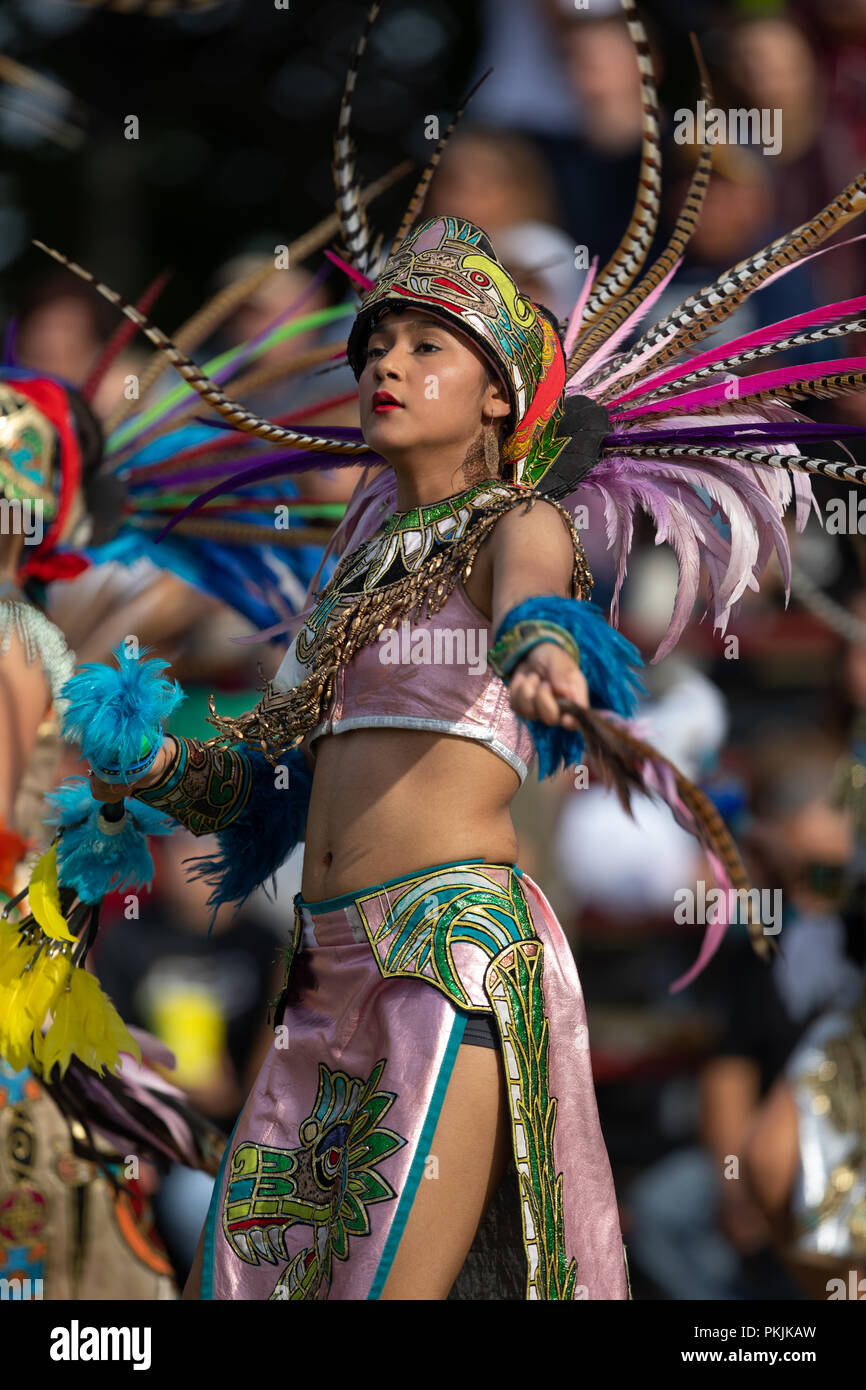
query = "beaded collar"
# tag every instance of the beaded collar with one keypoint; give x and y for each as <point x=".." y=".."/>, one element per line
<point x="410" y="565"/>
<point x="420" y="518"/>
<point x="406" y="540"/>
<point x="399" y="551"/>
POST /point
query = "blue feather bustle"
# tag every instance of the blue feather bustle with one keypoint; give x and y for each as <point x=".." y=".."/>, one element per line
<point x="271" y="824"/>
<point x="258" y="579"/>
<point x="117" y="715"/>
<point x="92" y="862"/>
<point x="609" y="662"/>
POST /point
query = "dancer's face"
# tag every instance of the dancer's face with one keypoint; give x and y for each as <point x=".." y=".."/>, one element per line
<point x="439" y="378"/>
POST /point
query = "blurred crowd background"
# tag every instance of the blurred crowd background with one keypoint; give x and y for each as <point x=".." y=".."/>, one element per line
<point x="734" y="1110"/>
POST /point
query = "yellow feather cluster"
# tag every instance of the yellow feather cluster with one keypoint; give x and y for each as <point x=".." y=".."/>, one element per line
<point x="15" y="979"/>
<point x="37" y="978"/>
<point x="87" y="1024"/>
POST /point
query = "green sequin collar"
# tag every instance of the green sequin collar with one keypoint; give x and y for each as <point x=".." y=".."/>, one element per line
<point x="419" y="518"/>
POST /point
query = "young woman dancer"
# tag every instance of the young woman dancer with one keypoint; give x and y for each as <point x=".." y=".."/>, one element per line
<point x="411" y="789"/>
<point x="378" y="1129"/>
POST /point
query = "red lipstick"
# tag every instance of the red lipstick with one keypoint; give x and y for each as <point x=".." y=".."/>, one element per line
<point x="383" y="400"/>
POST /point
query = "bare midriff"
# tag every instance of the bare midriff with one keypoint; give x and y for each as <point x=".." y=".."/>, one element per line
<point x="388" y="802"/>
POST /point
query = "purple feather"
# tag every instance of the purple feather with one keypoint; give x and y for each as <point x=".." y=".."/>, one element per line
<point x="766" y="431"/>
<point x="296" y="461"/>
<point x="171" y="481"/>
<point x="703" y="397"/>
<point x="751" y="499"/>
<point x="10" y="343"/>
<point x="343" y="432"/>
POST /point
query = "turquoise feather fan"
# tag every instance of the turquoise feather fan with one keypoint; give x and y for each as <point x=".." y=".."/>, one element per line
<point x="92" y="862"/>
<point x="117" y="716"/>
<point x="609" y="662"/>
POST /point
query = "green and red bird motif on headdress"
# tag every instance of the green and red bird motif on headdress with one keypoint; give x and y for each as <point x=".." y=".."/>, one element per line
<point x="449" y="268"/>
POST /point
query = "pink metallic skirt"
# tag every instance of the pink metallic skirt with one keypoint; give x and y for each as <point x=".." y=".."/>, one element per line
<point x="320" y="1173"/>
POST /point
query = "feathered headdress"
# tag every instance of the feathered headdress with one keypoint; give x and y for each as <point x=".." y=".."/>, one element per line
<point x="714" y="458"/>
<point x="448" y="267"/>
<point x="702" y="450"/>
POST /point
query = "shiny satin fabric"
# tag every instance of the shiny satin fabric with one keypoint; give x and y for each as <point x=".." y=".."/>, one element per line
<point x="413" y="679"/>
<point x="320" y="1174"/>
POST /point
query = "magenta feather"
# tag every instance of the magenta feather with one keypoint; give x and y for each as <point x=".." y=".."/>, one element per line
<point x="357" y="276"/>
<point x="760" y="338"/>
<point x="577" y="311"/>
<point x="705" y="397"/>
<point x="641" y="352"/>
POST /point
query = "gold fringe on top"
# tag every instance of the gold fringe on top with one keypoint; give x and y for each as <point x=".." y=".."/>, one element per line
<point x="282" y="718"/>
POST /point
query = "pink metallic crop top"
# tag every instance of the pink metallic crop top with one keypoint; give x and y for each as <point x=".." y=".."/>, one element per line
<point x="428" y="674"/>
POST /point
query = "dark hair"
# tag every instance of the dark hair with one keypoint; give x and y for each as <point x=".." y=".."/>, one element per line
<point x="103" y="493"/>
<point x="89" y="432"/>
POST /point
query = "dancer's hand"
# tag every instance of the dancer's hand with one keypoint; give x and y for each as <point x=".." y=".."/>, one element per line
<point x="113" y="791"/>
<point x="545" y="672"/>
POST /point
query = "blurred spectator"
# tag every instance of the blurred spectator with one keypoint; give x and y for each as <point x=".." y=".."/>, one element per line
<point x="268" y="300"/>
<point x="698" y="1231"/>
<point x="62" y="326"/>
<point x="805" y="1155"/>
<point x="495" y="178"/>
<point x="527" y="89"/>
<point x="837" y="34"/>
<point x="541" y="259"/>
<point x="772" y="66"/>
<point x="739" y="216"/>
<point x="596" y="171"/>
<point x="601" y="65"/>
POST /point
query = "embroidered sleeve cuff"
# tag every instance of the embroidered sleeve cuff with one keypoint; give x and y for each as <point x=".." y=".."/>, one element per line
<point x="204" y="788"/>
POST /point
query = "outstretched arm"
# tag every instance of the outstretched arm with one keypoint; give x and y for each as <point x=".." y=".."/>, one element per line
<point x="257" y="810"/>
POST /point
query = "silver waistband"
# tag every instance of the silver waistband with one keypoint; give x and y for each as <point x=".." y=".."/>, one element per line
<point x="458" y="728"/>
